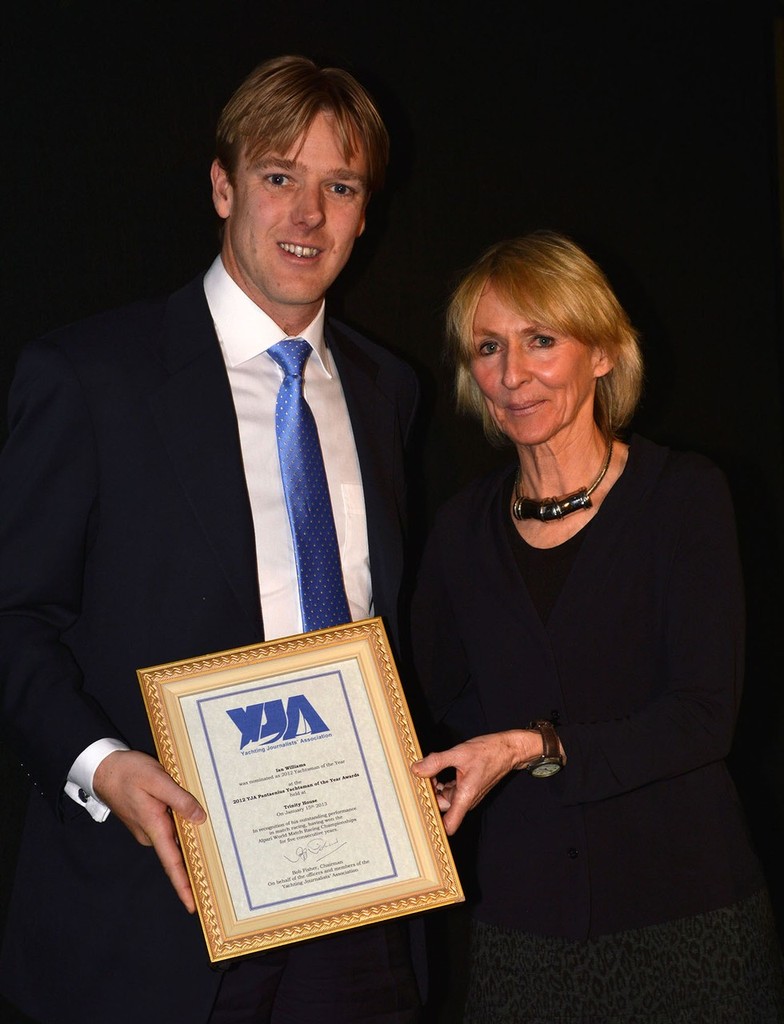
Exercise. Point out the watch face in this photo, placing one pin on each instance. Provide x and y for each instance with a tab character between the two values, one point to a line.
545	769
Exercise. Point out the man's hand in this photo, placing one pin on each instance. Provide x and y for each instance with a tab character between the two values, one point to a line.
142	795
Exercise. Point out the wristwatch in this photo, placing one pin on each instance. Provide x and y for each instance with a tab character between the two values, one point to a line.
550	760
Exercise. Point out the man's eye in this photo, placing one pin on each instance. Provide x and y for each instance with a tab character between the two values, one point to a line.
342	190
277	179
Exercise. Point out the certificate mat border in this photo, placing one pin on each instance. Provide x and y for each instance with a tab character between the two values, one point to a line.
436	883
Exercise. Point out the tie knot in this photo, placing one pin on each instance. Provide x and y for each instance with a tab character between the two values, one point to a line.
291	354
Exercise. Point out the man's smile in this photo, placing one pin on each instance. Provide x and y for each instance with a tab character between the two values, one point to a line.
306	251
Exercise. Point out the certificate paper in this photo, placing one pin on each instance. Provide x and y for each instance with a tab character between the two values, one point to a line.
300	752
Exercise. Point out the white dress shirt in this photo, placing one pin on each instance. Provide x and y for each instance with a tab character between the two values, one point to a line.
245	332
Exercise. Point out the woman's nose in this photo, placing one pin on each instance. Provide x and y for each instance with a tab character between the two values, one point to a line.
516	367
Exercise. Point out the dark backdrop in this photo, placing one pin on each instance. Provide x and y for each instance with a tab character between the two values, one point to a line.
647	132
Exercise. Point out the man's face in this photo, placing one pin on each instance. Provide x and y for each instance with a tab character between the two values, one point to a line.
291	221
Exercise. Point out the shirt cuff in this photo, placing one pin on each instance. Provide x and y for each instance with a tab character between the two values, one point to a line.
79	786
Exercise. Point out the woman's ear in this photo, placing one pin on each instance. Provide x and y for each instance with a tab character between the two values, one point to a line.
602	363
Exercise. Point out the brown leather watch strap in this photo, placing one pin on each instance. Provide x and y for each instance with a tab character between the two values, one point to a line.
550	745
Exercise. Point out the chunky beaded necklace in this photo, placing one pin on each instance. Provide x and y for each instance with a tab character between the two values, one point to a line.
551	509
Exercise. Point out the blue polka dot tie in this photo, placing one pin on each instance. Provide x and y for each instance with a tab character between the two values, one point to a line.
321	590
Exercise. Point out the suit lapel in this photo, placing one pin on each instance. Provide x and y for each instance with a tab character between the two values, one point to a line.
195	415
373	417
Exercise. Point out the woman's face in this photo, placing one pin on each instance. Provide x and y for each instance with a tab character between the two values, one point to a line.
536	382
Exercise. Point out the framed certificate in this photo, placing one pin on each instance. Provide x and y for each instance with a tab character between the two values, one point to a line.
300	751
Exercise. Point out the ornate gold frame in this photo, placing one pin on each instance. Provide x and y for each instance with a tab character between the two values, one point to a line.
330	745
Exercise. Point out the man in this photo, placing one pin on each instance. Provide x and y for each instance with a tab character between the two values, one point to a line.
143	520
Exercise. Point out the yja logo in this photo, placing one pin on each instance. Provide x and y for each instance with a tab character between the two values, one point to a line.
273	721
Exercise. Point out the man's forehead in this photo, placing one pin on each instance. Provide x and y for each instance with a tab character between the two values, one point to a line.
353	151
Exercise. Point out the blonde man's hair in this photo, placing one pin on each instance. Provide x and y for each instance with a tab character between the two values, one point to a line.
277	103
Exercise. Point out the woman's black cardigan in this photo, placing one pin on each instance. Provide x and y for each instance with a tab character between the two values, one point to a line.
640	664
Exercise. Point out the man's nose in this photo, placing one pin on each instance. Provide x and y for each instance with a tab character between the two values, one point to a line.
309	207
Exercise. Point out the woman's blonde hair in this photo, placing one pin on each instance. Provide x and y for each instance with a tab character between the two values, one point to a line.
546	278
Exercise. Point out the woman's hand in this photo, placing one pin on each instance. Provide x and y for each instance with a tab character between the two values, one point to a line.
479	764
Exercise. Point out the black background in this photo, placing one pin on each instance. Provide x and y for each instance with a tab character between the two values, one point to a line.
649	133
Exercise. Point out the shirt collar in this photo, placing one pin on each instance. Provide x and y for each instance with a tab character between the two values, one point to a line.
243	328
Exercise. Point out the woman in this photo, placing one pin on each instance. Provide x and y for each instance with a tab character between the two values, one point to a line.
587	648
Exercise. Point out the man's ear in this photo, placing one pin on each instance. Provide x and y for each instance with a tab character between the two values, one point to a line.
222	190
361	225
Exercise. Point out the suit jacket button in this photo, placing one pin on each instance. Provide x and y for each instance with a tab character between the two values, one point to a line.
572	852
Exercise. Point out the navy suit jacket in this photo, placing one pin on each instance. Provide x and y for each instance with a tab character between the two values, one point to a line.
126	540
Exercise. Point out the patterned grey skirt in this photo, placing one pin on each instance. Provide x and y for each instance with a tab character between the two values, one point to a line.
723	967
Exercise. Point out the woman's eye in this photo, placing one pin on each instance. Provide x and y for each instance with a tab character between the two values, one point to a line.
487	348
544	340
